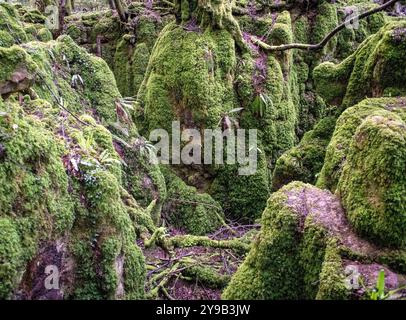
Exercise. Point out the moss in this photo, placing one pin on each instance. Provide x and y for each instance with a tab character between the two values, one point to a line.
34	16
368	72
208	276
100	86
185	208
332	285
10	254
304	162
331	80
271	269
242	197
182	80
33	187
372	184
122	67
15	62
346	127
6	39
9	22
74	32
140	60
50	187
144	180
302	248
325	21
44	35
107	228
349	39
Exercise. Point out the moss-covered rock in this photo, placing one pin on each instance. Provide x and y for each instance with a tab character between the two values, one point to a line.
187	209
10	24
375	69
345	129
303	250
372	185
304	162
363	165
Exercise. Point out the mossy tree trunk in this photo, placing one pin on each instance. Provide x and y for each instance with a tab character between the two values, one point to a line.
210	13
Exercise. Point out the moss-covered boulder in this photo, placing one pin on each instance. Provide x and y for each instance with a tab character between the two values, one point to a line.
363	165
12	29
304	249
376	69
188	209
63	197
304	162
126	49
48	203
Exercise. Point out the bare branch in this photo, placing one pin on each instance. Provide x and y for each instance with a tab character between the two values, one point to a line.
322	44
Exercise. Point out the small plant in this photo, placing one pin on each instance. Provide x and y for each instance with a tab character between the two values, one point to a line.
228	121
146	148
261	104
378	293
76	81
106	160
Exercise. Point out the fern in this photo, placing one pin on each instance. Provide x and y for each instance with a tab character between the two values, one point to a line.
261	104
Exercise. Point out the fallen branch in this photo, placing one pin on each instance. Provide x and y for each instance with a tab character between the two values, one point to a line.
188	241
322	44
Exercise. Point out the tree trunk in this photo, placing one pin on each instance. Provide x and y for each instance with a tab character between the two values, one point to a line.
121	10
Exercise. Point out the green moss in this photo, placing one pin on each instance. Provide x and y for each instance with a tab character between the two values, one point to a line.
10	255
6	39
33	187
372	184
375	69
15	60
122	67
302	248
242	197
140	60
208	276
183	81
349	39
33	16
9	22
312	256
325	21
304	162
106	226
346	127
44	35
63	176
185	208
100	86
74	32
332	285
331	80
271	269
144	180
